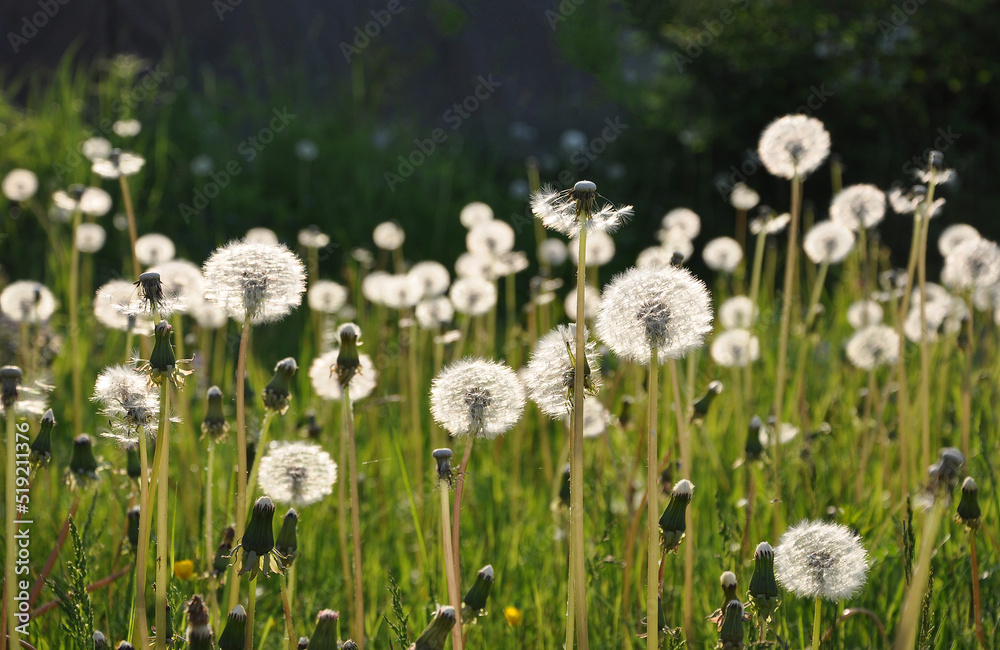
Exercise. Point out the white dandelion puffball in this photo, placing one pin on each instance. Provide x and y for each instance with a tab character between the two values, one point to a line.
491	238
914	200
735	348
743	197
326	296
183	283
971	265
118	163
154	248
90	237
473	296
552	252
373	286
474	265
400	291
475	213
666	308
208	315
262	282
296	473
722	254
19	184
128	400
770	224
815	559
596	417
312	237
91	201
431	277
600	249
509	264
27	301
568	211
434	312
955	235
261	235
96	148
477	397
388	236
873	346
114	307
829	242
737	313
325	383
673	240
591	303
551	371
655	257
685	220
862	313
793	145
858	206
127	128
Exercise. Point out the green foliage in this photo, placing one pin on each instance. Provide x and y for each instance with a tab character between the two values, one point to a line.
398	626
74	600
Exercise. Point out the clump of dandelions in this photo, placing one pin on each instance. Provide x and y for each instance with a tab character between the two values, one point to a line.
297	473
793	145
550	374
477	397
569	211
262	282
666	308
816	559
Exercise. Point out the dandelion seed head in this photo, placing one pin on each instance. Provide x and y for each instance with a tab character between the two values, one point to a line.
401	291
208	315
815	559
128	400
475	213
770	223
685	220
127	128
596	417
473	296
182	282
873	346
297	473
312	237
19	185
492	238
326	296
477	397
475	265
261	235
434	313
972	264
90	237
862	313
552	252
858	206
432	278
116	306
326	384
567	211
655	257
91	201
914	200
600	249
722	254
591	303
737	312
373	286
829	242
735	348
118	163
743	197
96	148
666	308
793	145
550	374
27	301
954	235
388	236
509	264
262	282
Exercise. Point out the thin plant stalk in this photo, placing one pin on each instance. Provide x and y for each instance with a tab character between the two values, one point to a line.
265	437
209	556
449	567
686	463
286	606
457	508
345	557
817	611
9	580
162	532
758	262
977	611
909	620
130	215
576	459
787	303
925	372
241	452
74	326
251	606
142	549
652	515
358	610
903	396
966	421
416	428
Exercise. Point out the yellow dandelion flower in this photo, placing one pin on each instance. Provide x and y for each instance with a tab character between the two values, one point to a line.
183	569
513	615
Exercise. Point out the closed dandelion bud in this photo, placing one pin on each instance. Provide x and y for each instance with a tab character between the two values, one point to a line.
214	425
475	600
83	466
233	636
221	561
625	414
133	525
752	448
10	380
101	641
287	542
41	446
968	507
564	488
151	290
702	405
728	582
443	458
133	467
763	587
935	160
324	637
277	393
255	552
125	645
436	634
672	523
945	472
348	361
731	632
303	643
199	632
161	360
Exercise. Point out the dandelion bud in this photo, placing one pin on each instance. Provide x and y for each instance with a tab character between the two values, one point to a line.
443	458
564	488
277	393
436	634
763	587
151	290
41	446
728	582
132	465
221	561
731	632
199	632
324	637
83	465
625	414
133	525
935	161
944	473
10	380
214	424
162	362
702	405
303	643
475	600
256	549
125	645
672	522
101	641
287	542
584	193
233	636
752	448
347	358
968	506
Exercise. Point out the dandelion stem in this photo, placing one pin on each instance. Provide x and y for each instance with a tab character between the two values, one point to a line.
903	397
358	612
286	607
265	437
909	620
449	567
130	215
925	372
143	547
787	303
209	556
345	557
251	605
758	261
977	611
74	326
162	532
576	459
457	508
687	465
241	452
652	516
966	422
818	608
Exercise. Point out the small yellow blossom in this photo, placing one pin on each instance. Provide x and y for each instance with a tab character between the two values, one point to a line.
513	615
183	569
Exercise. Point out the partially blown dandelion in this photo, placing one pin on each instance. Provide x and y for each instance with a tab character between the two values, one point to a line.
297	473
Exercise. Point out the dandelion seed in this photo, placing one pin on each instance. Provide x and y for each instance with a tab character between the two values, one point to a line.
27	301
862	313
118	163
549	375
785	435
735	348
473	296
743	198
261	281
91	201
154	248
600	249
568	211
432	278
815	559
684	220
858	206
873	346
666	308
89	237
722	254
973	264
475	213
19	185
182	283
492	238
477	397
388	236
828	242
794	145
297	473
